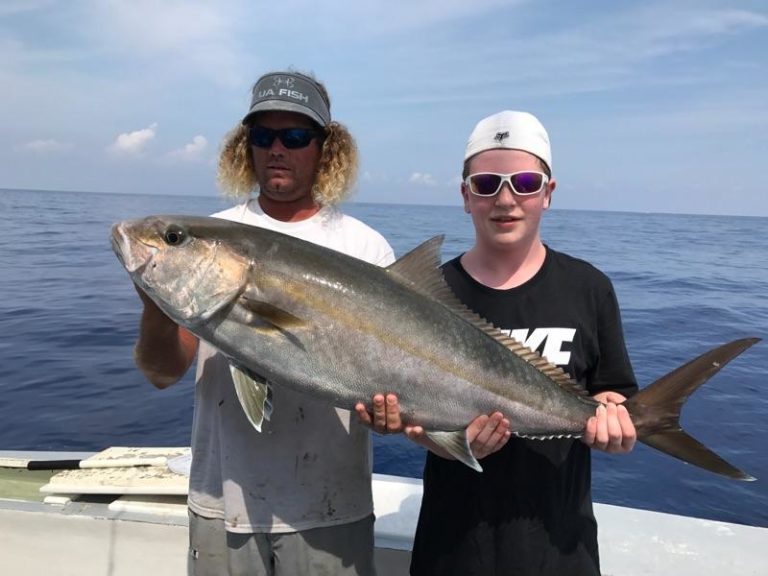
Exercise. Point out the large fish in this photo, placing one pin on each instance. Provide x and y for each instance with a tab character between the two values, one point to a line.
291	313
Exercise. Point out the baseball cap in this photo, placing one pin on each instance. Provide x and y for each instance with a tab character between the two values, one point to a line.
289	92
513	130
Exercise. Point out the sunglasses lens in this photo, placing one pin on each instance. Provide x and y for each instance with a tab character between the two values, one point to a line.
261	137
523	183
485	184
291	138
527	182
296	137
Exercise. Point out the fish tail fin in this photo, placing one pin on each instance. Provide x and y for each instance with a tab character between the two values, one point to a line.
681	445
655	410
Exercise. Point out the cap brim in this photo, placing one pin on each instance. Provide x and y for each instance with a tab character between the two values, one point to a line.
282	106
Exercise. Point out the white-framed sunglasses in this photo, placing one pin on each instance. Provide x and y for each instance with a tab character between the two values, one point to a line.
523	183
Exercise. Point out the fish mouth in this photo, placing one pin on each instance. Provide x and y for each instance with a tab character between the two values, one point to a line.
134	254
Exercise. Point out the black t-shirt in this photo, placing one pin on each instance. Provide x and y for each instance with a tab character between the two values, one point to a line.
530	510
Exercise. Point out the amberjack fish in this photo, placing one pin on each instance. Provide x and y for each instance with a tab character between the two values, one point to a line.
290	313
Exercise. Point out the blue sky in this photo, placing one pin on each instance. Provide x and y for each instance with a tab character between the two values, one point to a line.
651	106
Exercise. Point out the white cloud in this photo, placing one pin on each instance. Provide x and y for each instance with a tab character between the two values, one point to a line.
133	143
422	178
45	145
191	152
375	177
409	79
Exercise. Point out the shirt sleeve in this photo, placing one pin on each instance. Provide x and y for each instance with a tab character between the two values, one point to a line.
379	251
614	370
387	256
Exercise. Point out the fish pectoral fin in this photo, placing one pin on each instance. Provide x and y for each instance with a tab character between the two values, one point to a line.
272	314
255	396
457	445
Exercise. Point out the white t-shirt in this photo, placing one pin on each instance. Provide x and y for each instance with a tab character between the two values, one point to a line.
311	464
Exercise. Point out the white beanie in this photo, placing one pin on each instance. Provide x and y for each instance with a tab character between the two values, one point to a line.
512	130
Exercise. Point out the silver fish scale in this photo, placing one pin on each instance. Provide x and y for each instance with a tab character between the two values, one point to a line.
330	325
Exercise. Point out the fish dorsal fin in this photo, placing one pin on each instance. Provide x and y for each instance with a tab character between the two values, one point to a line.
554	372
420	269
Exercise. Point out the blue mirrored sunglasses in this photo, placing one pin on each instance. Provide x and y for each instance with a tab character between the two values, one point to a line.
523	183
291	138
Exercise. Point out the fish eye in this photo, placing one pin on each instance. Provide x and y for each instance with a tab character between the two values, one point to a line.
174	236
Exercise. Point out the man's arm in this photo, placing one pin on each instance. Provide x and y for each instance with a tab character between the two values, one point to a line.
164	350
611	428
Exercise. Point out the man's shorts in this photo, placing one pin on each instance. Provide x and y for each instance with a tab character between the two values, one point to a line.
343	550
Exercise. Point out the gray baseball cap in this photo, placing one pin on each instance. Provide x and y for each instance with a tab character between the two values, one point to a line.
289	92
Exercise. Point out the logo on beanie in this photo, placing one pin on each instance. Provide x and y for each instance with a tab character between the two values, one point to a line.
279	81
501	136
283	90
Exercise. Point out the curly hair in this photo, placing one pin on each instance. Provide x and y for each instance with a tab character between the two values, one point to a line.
336	173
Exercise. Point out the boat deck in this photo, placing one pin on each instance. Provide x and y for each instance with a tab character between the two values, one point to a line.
125	535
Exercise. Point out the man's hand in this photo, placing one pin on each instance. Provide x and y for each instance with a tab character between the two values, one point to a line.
610	429
164	351
385	418
486	434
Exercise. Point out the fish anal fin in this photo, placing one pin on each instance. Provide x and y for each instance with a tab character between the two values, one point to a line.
254	394
457	445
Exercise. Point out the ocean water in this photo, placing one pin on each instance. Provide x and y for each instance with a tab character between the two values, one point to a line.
69	317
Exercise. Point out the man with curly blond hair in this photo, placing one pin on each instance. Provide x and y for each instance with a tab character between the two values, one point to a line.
295	498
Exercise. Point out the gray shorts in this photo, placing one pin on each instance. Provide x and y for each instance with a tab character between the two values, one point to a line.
344	550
